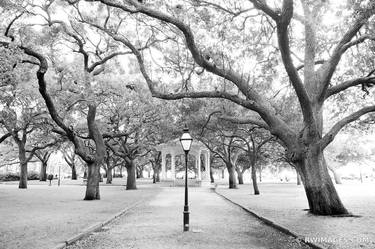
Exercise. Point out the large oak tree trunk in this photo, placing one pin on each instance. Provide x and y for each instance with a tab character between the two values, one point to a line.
74	172
93	178
320	191
232	175
43	172
254	180
131	180
109	176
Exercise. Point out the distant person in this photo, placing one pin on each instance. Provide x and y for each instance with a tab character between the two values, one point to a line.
50	178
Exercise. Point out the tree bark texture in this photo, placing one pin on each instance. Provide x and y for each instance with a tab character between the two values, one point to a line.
109	176
212	176
232	175
254	180
131	180
239	176
320	191
23	166
93	178
23	175
156	176
138	173
43	172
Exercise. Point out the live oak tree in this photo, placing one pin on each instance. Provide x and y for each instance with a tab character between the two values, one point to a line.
155	161
92	65
29	136
314	82
220	139
252	141
43	156
70	158
131	120
111	162
23	119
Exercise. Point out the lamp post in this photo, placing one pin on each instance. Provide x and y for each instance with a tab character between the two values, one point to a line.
186	141
58	181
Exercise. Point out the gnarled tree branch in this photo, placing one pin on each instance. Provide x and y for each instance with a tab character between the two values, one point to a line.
342	123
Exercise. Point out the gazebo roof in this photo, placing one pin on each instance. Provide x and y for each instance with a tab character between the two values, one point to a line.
175	145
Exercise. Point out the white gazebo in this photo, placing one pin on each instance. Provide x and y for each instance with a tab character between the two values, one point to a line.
173	148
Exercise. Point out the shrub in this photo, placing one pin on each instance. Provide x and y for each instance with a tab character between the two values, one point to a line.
9	177
33	175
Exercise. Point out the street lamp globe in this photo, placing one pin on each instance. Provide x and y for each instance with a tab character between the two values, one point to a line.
186	140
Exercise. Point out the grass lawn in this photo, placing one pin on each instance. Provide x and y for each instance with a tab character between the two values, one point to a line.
285	204
43	216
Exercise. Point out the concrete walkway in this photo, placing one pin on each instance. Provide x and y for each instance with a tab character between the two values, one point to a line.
214	223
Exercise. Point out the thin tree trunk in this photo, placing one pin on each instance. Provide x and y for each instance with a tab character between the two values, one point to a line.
212	176
93	178
222	174
43	172
320	191
138	173
120	172
130	181
158	176
239	176
23	166
74	172
260	174
23	175
232	175
254	180
109	176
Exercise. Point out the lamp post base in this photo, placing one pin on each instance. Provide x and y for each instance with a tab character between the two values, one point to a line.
186	218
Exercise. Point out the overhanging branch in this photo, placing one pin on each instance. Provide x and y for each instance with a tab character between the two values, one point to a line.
328	138
349	83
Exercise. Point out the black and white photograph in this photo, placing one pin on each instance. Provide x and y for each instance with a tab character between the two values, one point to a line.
187	124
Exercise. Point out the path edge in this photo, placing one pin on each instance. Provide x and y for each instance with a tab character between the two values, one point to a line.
94	227
270	222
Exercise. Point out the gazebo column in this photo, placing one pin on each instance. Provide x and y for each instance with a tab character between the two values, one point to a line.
207	164
163	165
173	165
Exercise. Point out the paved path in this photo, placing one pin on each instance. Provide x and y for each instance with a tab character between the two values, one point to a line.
214	224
